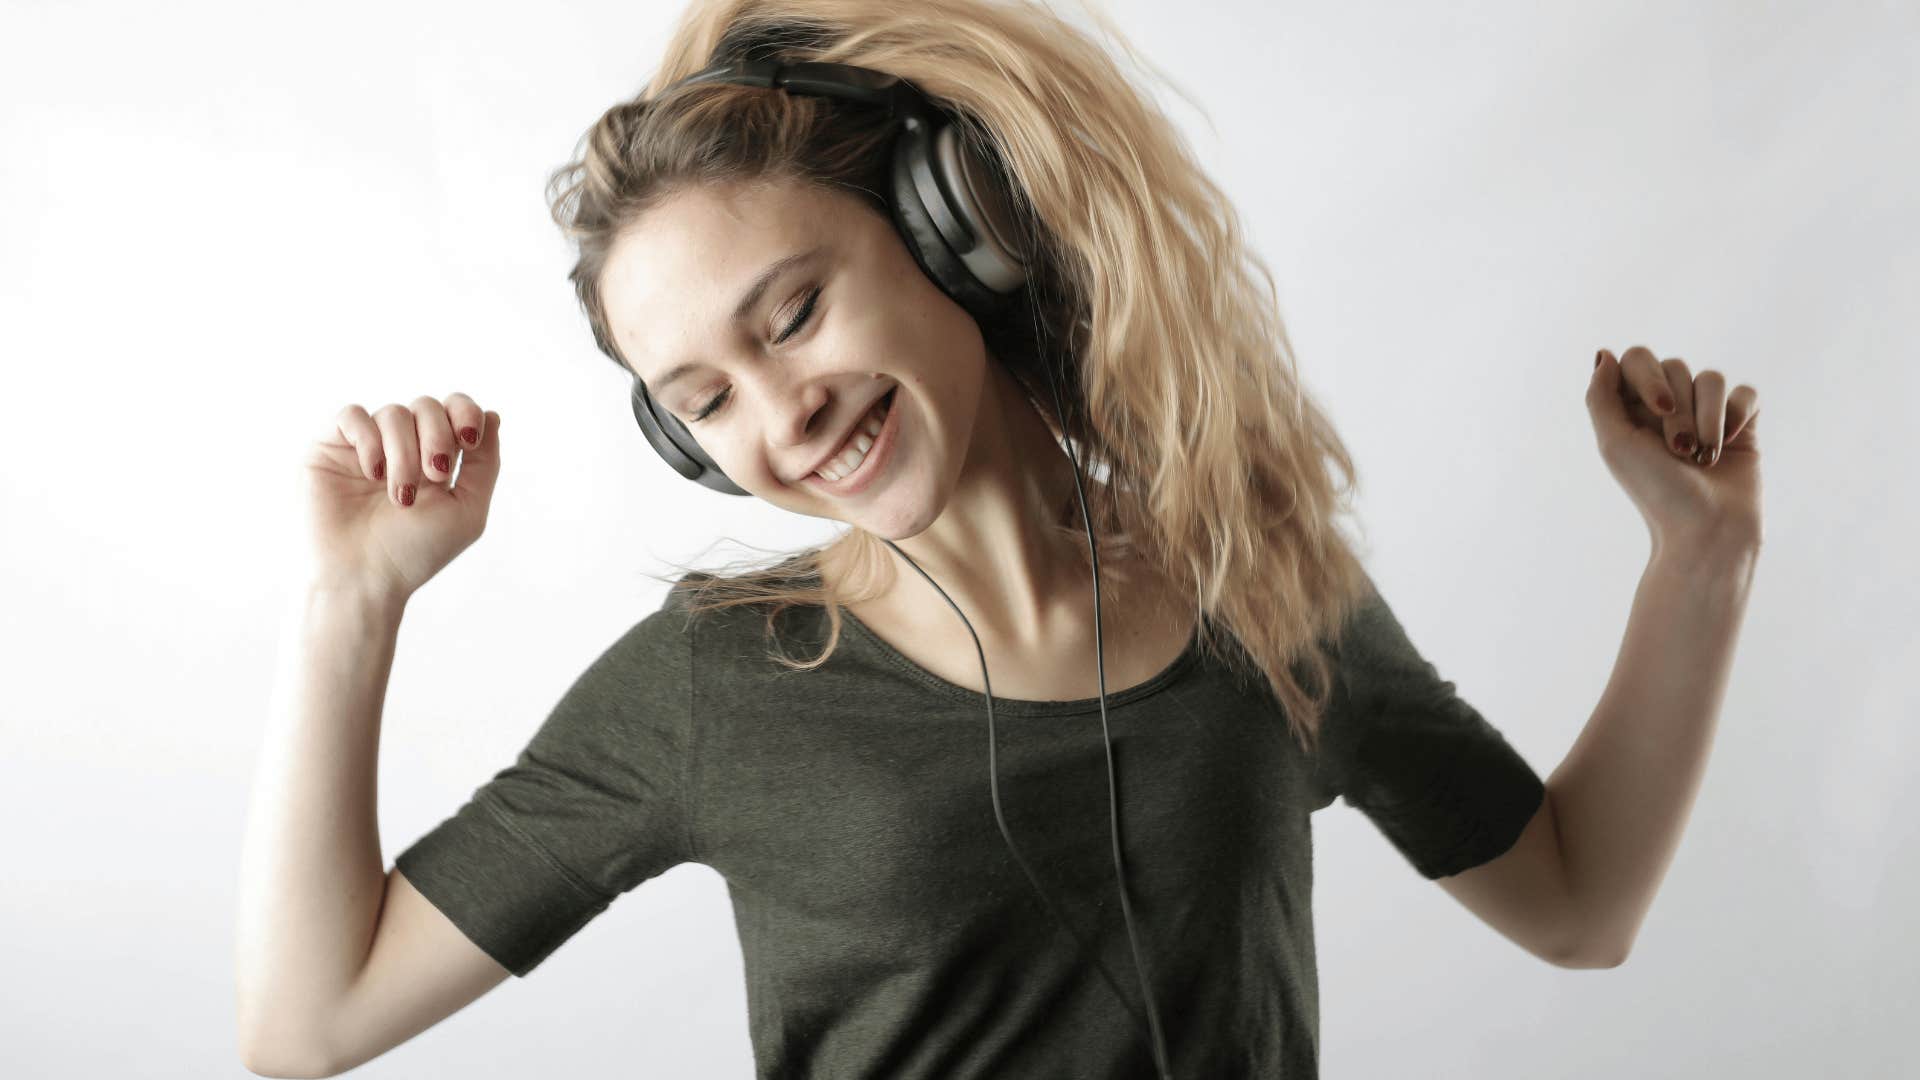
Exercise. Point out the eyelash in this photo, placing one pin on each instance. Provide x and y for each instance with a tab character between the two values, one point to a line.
799	320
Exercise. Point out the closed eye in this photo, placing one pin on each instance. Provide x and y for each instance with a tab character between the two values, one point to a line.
805	313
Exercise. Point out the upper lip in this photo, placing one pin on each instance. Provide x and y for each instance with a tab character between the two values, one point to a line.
839	445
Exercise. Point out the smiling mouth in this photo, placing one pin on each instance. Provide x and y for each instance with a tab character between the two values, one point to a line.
837	468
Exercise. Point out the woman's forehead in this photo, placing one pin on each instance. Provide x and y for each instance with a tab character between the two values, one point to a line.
715	239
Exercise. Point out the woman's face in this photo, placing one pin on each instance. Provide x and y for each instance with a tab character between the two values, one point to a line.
778	392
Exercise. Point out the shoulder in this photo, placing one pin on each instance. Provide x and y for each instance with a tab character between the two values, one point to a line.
728	613
1373	648
650	653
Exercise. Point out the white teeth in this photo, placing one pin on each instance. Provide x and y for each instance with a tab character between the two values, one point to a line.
839	468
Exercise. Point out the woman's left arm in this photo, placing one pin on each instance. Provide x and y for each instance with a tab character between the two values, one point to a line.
1623	794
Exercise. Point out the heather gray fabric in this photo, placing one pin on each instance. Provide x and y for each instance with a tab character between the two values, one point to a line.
886	930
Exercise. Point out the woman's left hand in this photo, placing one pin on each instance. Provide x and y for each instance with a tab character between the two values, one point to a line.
1693	466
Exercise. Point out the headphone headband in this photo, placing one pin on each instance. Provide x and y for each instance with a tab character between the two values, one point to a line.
863	86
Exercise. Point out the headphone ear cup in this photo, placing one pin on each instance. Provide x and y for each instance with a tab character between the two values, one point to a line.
673	442
982	198
934	197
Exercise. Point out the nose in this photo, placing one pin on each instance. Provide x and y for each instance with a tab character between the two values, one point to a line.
793	412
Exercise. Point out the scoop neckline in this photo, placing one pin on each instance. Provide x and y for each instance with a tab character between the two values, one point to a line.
1026	706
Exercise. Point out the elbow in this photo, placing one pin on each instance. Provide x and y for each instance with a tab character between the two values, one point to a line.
264	1058
1583	947
272	1042
1590	957
1580	948
289	1067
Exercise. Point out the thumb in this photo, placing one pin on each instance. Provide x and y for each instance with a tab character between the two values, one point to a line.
480	466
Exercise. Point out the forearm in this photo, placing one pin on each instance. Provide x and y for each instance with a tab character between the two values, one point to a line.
312	877
1626	788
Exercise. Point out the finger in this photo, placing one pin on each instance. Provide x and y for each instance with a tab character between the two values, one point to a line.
1710	415
1618	416
1627	403
1677	429
1646	381
1743	408
356	427
468	421
402	443
435	432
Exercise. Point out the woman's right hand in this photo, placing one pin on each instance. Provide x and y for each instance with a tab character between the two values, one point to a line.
382	511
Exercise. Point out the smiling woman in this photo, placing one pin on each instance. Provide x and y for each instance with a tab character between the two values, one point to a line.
745	258
783	370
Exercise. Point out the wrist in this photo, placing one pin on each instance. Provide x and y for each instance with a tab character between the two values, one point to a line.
358	592
1720	555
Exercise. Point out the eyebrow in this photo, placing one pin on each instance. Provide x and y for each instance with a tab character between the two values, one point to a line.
748	301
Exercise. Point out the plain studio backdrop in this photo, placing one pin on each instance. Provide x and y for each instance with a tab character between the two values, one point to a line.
219	223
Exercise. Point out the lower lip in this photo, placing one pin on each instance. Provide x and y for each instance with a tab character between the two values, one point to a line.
877	455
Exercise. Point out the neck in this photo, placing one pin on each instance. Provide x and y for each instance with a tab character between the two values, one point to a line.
992	549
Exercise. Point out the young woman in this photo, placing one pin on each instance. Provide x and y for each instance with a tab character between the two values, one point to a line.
1038	805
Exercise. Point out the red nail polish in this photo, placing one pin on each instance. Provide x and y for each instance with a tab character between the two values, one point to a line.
406	495
441	464
471	436
1666	403
379	470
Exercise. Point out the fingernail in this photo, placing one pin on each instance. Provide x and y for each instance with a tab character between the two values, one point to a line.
441	464
379	470
1665	403
406	495
1599	356
471	436
1683	442
1703	456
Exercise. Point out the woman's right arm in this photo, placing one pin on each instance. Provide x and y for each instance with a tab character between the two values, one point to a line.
311	870
338	961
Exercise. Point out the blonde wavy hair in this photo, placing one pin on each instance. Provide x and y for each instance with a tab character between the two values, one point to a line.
1180	389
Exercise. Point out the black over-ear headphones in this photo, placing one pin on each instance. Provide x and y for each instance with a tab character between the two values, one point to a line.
953	209
947	202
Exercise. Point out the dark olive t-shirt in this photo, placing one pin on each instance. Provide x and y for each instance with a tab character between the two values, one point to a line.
885	928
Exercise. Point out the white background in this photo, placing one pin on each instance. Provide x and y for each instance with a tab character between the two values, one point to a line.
219	223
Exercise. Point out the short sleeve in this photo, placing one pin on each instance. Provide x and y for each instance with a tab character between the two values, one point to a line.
595	804
1403	748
